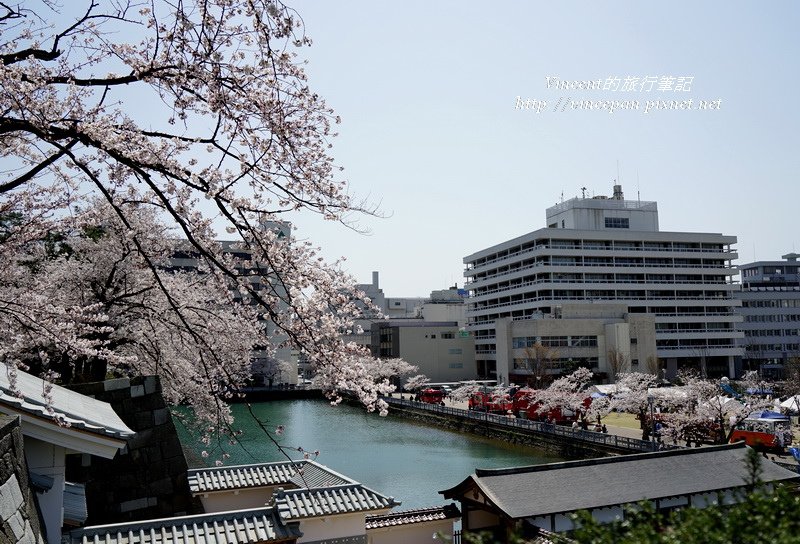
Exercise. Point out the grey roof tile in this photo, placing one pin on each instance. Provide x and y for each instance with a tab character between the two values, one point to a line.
410	517
68	407
241	527
575	485
301	473
295	504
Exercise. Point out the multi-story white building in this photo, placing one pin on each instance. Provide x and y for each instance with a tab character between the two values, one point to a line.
604	250
282	366
771	311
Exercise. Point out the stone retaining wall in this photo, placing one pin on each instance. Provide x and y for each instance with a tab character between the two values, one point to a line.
147	478
19	517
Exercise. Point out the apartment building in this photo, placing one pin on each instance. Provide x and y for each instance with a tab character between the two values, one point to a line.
600	250
770	311
282	366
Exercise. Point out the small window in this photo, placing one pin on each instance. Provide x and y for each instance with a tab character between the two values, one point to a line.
448	335
433	336
634	341
617	222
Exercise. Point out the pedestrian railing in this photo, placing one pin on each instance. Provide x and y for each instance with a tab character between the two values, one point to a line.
620	442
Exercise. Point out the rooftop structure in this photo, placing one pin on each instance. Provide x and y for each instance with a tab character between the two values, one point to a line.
545	495
60	409
256	526
319	502
602	250
303	473
55	422
410	517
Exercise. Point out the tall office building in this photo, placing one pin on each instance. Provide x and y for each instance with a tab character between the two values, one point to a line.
771	311
602	250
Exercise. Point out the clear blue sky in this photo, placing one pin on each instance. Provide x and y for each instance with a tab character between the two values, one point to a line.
426	92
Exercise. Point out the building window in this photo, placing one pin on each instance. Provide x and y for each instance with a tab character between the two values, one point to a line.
454	351
455	365
448	335
617	223
433	336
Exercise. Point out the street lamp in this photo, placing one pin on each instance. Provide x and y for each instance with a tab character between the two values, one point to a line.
650	400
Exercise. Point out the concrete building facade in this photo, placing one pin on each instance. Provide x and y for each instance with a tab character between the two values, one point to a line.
770	310
604	337
440	350
600	250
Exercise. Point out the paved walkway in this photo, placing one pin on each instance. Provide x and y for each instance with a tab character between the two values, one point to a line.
612	429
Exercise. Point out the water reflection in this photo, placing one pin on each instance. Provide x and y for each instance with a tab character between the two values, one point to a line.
392	455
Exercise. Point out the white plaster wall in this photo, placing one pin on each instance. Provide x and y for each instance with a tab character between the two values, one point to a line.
48	459
673	501
478	519
417	533
563	523
542	522
332	527
246	498
704	499
607	515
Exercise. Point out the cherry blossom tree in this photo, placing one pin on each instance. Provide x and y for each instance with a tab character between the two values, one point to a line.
197	112
703	413
568	392
417	382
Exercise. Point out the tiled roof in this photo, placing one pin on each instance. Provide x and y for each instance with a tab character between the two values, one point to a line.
74	409
409	517
296	504
240	527
595	483
302	473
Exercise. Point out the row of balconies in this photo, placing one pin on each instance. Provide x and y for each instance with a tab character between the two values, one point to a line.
594	246
477	308
480	292
724	270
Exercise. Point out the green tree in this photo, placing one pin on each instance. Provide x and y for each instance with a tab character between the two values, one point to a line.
763	514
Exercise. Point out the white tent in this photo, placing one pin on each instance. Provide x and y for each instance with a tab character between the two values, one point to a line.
726	403
792	403
608	389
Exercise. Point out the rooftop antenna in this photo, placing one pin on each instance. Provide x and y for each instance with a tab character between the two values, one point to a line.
583	192
638	197
562	196
615	181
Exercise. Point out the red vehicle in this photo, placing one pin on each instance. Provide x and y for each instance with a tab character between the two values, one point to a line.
486	402
524	405
763	433
432	396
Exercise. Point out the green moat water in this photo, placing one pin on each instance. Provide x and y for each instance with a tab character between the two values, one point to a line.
391	455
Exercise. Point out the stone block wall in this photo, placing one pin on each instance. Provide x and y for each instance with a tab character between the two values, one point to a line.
147	478
19	516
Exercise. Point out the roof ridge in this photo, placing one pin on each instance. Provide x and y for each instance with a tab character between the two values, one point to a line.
414	511
484	472
251	465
